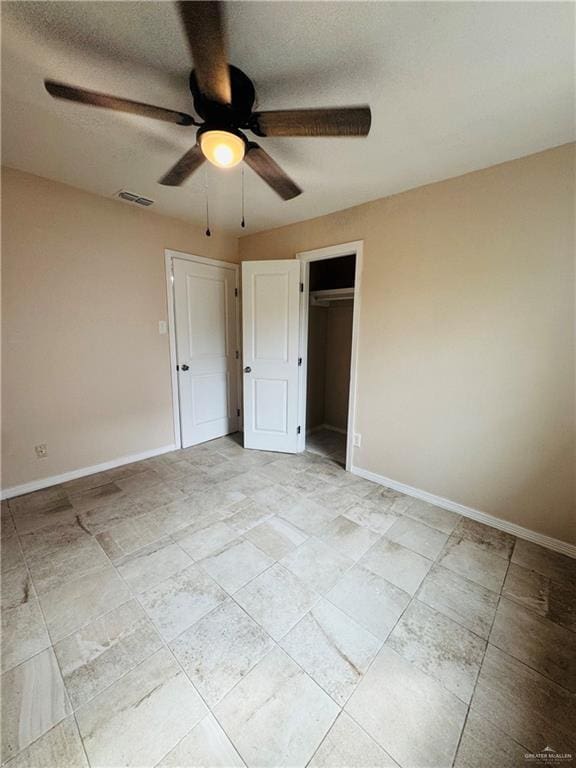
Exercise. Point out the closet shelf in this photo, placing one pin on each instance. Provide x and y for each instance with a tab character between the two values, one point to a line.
324	298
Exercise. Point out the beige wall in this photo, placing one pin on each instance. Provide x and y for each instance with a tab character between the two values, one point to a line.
466	348
338	353
84	367
328	372
316	370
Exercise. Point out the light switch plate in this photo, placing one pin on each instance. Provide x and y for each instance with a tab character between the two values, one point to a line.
162	327
356	439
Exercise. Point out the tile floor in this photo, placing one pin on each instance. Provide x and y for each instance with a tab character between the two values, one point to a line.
327	443
222	607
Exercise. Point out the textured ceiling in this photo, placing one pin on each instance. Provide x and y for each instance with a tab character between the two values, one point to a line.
453	87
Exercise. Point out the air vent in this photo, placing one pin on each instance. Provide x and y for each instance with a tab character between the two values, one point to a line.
134	198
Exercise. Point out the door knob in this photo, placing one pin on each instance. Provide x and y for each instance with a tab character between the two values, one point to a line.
247	369
184	367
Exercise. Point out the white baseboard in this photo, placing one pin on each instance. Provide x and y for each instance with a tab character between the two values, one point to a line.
46	482
474	514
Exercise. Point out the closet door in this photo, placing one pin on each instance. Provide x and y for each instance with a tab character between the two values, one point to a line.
205	311
271	316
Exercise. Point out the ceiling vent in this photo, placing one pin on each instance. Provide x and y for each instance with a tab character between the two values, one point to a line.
134	198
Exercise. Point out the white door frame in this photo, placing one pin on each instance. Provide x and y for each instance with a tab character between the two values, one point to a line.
169	255
356	247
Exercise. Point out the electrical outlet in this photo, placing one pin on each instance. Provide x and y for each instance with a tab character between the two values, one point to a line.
356	439
41	450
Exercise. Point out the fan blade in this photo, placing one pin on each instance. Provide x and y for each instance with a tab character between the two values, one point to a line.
343	121
96	99
204	28
269	170
184	168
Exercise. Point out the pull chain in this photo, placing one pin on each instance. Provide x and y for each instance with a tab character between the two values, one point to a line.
207	233
243	222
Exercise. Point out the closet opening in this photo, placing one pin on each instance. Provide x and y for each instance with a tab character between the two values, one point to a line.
331	286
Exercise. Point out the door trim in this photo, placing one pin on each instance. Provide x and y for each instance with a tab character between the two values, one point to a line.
169	255
331	252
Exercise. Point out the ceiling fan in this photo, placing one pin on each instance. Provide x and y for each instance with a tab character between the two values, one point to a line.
224	97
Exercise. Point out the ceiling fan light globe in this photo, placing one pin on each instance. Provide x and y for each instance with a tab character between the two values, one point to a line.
222	148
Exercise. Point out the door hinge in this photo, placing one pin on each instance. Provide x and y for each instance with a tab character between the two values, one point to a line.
237	411
301	287
299	361
237	355
298	430
236	292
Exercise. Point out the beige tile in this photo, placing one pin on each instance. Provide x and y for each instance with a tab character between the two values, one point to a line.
27	520
179	601
411	716
317	565
307	515
60	747
439	647
276	537
485	746
33	701
488	538
466	602
203	542
524	704
7	528
400	566
11	554
544	646
109	513
38	500
348	746
68	562
180	516
23	633
246	515
17	586
554	600
96	497
70	606
558	567
137	483
372	601
236	564
54	538
417	537
277	600
276	715
389	499
466	558
220	649
332	648
205	745
142	717
130	535
152	564
430	515
335	500
102	651
348	538
370	515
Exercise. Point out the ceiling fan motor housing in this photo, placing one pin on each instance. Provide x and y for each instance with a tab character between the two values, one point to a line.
226	117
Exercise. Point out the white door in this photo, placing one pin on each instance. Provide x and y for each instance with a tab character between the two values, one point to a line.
206	349
270	314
